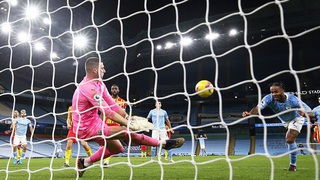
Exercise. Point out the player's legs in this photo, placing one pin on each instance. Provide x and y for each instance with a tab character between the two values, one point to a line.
170	155
156	135
16	143
71	139
106	160
166	154
164	136
19	152
24	146
86	147
293	131
112	147
68	152
119	132
292	145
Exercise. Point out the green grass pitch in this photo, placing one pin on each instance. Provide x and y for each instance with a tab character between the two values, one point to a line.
185	167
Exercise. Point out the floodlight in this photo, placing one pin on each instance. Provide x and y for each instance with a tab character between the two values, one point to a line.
6	27
12	2
186	41
233	32
159	47
46	21
54	55
80	41
23	37
32	12
39	46
212	36
169	45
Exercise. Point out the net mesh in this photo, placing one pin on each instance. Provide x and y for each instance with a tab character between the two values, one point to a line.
140	42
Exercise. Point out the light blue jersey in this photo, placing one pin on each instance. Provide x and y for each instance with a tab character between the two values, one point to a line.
316	112
277	107
22	126
158	117
59	145
201	140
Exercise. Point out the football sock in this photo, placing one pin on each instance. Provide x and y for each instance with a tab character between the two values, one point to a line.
97	155
108	159
153	150
89	152
68	155
293	155
170	154
19	152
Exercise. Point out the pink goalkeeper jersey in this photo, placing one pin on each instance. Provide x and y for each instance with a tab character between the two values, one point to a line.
88	98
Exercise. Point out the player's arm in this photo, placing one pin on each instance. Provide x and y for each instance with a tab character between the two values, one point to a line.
169	125
253	111
196	136
31	129
14	127
305	109
69	119
205	136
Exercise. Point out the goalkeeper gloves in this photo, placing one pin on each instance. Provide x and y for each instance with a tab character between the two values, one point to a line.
137	123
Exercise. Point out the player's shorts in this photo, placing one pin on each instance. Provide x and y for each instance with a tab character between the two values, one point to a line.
160	134
20	140
71	135
202	146
59	151
295	124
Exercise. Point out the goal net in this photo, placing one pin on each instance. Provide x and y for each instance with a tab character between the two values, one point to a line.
158	51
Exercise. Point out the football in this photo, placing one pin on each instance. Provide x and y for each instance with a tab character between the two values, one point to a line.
204	88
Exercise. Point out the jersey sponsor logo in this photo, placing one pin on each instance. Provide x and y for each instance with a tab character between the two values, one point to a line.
96	97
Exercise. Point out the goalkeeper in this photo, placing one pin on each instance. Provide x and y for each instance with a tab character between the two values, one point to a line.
280	102
92	95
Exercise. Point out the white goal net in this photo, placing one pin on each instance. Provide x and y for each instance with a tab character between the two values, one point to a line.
159	50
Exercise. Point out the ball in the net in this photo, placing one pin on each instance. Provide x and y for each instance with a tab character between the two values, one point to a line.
204	84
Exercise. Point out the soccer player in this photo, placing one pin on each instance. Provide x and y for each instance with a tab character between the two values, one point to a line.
16	115
20	130
92	95
281	102
72	139
201	140
316	133
58	149
122	103
143	152
166	153
159	117
315	114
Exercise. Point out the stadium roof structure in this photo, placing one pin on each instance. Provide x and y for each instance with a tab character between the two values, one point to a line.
130	42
